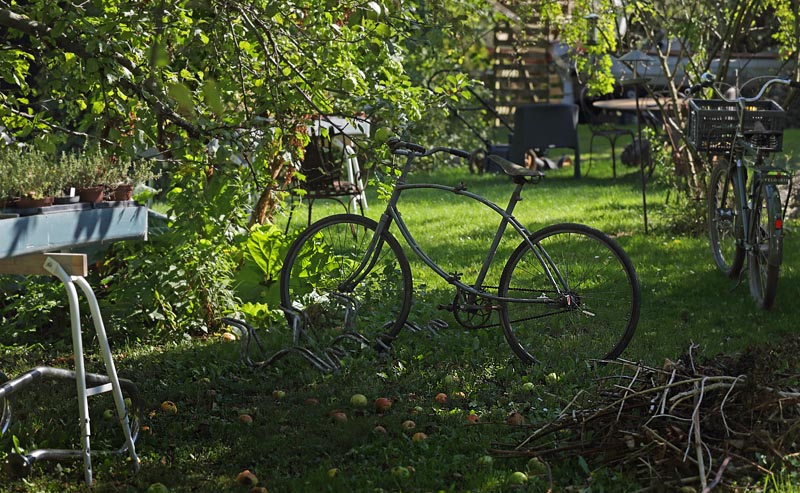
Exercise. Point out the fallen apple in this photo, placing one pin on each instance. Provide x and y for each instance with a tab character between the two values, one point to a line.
552	378
108	414
246	478
379	429
409	425
517	478
382	404
536	467
515	419
333	472
400	472
245	419
278	394
472	418
419	437
339	417
259	489
169	407
228	336
358	400
528	386
157	488
312	401
441	398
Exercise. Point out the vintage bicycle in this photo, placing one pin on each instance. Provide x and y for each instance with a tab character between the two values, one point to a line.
745	210
567	290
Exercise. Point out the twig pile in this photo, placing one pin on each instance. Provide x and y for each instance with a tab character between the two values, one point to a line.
704	425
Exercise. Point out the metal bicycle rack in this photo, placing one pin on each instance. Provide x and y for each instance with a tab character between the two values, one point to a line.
22	243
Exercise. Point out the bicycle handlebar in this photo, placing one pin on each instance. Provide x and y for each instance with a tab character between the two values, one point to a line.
707	80
411	149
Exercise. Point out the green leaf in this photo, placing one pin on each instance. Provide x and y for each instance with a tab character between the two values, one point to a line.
183	96
213	98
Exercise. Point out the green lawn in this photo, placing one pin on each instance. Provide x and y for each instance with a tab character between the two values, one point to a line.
294	444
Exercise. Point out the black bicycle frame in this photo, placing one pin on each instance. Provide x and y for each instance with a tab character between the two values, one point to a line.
391	214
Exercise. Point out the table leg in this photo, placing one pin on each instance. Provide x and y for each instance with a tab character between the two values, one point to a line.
111	371
80	370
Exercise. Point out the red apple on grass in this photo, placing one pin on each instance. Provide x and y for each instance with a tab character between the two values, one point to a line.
246	478
382	404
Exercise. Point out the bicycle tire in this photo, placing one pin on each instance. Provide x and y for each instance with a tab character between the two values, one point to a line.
765	256
725	229
596	314
317	264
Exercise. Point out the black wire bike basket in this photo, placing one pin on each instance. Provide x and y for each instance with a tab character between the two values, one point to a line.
713	123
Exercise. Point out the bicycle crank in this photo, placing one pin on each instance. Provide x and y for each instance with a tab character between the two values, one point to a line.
472	313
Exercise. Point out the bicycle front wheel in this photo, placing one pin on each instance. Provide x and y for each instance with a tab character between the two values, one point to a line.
576	296
325	296
765	256
725	220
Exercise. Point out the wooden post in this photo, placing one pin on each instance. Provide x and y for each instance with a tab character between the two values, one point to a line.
74	264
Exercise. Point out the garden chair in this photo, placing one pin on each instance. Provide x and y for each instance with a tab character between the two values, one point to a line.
603	125
545	126
331	173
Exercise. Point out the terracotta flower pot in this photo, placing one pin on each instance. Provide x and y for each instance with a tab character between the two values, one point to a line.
91	194
123	192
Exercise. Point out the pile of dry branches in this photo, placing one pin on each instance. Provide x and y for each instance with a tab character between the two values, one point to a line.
693	425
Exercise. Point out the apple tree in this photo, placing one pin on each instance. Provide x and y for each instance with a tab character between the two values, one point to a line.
218	96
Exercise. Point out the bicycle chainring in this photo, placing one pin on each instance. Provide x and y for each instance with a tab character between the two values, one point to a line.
472	312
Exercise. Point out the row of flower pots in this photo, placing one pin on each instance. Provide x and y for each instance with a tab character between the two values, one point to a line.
31	178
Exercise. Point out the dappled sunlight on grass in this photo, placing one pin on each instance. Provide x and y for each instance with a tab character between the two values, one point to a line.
294	443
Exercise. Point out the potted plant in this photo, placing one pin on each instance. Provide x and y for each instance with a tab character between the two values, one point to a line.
68	164
36	177
89	171
127	174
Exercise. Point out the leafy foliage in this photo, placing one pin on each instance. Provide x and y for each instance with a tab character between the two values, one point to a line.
219	97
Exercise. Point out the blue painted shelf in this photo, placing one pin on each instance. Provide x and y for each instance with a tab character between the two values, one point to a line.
58	227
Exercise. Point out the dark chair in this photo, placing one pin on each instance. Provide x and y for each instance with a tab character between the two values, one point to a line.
603	125
324	166
544	126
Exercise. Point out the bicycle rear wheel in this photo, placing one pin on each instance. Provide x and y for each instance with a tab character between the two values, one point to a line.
589	313
765	257
725	220
319	294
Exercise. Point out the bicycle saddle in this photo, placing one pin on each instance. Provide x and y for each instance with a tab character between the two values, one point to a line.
513	169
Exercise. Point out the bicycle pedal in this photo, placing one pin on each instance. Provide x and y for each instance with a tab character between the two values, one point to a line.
447	308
